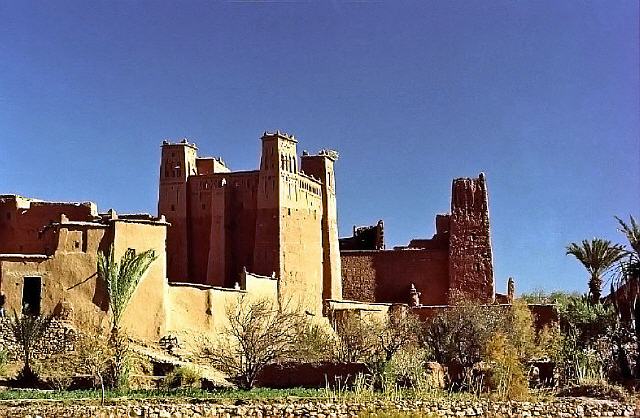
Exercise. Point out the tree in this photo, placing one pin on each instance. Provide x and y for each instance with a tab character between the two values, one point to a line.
122	279
259	333
28	330
396	331
627	286
597	256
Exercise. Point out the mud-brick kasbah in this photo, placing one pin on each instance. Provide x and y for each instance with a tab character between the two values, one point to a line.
221	234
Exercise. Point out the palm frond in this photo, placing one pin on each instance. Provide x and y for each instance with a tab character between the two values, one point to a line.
122	277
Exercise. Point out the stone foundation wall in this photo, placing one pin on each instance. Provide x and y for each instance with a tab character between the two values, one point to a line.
59	338
557	408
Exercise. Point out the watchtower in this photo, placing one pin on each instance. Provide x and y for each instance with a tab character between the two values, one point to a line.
177	163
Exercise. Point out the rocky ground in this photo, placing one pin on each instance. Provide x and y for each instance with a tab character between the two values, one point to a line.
567	407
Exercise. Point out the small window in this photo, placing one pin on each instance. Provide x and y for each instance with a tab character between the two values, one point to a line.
173	208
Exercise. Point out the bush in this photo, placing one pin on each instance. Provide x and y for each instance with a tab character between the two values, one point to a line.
406	369
260	332
357	341
4	360
506	375
182	377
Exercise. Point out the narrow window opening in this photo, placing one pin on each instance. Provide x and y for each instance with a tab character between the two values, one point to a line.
31	295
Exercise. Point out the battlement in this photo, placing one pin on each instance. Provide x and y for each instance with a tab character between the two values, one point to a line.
184	142
278	134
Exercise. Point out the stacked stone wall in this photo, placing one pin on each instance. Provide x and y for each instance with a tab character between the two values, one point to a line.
557	408
59	338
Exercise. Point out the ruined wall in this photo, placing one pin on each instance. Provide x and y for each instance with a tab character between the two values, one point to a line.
386	275
470	258
364	238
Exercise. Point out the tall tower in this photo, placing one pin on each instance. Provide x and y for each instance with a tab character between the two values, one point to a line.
278	158
321	166
178	162
470	256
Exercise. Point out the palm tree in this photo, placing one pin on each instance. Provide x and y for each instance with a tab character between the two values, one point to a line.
28	330
122	279
631	266
625	295
597	256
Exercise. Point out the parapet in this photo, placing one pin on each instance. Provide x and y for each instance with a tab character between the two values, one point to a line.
184	142
278	134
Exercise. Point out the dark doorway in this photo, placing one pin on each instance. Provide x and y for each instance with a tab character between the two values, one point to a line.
31	295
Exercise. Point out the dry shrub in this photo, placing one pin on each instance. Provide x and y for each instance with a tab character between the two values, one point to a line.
506	376
406	369
357	341
259	332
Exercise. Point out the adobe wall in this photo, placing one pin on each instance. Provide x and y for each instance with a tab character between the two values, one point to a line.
386	275
322	168
240	223
69	275
149	301
22	220
198	310
301	254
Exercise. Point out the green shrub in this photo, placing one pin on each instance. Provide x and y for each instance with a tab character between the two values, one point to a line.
4	360
406	369
182	377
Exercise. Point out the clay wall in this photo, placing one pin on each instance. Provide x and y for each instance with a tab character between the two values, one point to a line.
150	298
240	214
69	275
386	275
178	162
301	254
199	310
322	168
23	220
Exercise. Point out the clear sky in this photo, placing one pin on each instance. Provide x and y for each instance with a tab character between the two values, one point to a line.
543	96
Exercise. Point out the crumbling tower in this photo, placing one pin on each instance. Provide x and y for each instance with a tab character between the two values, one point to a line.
177	164
470	256
321	166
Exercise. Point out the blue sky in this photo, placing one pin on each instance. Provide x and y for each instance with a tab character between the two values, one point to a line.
542	96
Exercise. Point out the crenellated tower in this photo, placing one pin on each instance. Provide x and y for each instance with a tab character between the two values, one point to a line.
177	163
470	255
321	166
